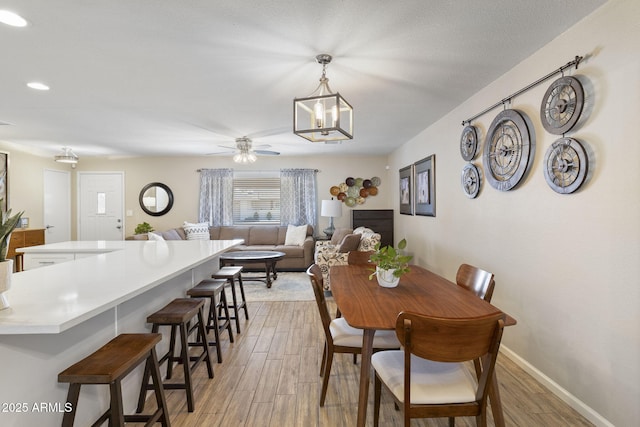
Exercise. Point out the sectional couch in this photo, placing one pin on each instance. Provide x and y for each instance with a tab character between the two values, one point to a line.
256	238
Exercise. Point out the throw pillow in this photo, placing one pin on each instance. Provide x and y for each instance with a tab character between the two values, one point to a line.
154	236
339	234
198	231
362	230
368	241
171	235
295	235
349	243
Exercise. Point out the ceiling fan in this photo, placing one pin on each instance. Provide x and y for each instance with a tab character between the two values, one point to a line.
245	152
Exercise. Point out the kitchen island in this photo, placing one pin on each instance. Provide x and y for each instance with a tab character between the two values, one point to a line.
63	312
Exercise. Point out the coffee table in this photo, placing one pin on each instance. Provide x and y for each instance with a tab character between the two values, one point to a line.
269	258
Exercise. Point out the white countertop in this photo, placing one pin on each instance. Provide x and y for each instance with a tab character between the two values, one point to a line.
80	246
53	299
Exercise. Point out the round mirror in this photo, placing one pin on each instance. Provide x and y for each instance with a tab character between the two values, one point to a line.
156	199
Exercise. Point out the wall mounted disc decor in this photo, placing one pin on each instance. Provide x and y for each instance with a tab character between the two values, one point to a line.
469	143
565	165
508	150
470	180
562	105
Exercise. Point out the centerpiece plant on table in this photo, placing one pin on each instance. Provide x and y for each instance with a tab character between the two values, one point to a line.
391	264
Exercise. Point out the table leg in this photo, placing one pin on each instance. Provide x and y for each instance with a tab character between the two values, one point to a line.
267	269
365	367
494	401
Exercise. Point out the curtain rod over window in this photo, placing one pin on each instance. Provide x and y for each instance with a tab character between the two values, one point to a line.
274	170
569	64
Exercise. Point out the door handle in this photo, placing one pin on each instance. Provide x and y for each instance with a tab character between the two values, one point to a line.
119	227
49	226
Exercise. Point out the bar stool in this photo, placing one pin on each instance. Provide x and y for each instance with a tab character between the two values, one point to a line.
109	365
214	290
177	314
230	274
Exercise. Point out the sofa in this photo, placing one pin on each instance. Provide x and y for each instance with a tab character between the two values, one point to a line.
336	251
256	238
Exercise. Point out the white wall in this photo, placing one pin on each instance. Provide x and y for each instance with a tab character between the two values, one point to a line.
566	266
179	173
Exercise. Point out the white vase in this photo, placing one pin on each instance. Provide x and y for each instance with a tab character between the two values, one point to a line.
386	279
6	271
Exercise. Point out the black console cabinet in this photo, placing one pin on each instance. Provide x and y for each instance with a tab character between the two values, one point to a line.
379	220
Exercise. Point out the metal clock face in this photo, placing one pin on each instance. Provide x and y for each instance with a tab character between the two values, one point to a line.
469	143
470	180
565	165
562	105
507	151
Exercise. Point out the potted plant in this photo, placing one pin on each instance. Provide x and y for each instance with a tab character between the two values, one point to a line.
391	264
8	223
143	228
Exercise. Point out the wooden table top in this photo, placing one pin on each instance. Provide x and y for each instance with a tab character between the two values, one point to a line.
366	305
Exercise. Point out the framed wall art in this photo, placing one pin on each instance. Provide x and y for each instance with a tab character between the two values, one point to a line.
4	181
406	188
425	187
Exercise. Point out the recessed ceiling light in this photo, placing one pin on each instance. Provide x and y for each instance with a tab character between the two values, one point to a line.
38	86
12	19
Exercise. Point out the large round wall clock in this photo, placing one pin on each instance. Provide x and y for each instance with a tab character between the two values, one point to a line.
565	165
562	105
469	143
508	150
470	180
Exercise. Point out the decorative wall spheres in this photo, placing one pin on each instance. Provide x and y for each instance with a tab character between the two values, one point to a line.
354	191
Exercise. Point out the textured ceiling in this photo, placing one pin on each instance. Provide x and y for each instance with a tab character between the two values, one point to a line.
170	77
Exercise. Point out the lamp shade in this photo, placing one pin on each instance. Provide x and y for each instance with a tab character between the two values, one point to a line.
331	208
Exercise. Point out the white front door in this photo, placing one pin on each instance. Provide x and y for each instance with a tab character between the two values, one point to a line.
100	205
57	206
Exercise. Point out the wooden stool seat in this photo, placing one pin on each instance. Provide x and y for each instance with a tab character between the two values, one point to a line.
109	365
177	314
231	274
213	289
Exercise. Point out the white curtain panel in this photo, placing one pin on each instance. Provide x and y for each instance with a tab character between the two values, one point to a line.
216	196
298	197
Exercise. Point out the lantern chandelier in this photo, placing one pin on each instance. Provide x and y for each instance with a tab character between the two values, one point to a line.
323	116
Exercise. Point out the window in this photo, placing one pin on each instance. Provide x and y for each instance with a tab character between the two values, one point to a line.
256	197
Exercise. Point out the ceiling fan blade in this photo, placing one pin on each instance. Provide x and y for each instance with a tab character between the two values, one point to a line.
270	132
220	153
227	147
261	146
266	152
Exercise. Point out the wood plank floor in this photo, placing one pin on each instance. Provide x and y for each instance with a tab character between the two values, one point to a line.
269	377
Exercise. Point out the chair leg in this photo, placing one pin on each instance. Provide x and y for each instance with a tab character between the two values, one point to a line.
161	402
452	422
116	417
184	352
72	398
324	359
377	392
325	376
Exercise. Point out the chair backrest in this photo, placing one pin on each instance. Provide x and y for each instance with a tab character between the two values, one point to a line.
317	283
477	280
451	340
359	257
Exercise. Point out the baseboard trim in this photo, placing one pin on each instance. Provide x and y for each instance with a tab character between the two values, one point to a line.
584	410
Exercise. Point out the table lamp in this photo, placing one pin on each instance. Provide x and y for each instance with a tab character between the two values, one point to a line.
333	209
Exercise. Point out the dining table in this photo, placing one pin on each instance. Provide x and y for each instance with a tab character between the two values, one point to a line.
368	306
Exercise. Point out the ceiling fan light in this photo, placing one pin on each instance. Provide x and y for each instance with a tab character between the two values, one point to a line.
323	116
66	156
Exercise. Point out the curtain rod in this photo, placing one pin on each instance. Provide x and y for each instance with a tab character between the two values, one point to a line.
569	64
273	170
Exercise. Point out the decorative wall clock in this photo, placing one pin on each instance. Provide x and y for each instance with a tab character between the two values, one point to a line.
565	165
470	180
469	143
508	150
562	105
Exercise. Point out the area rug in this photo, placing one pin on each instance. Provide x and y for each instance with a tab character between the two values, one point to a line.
290	286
